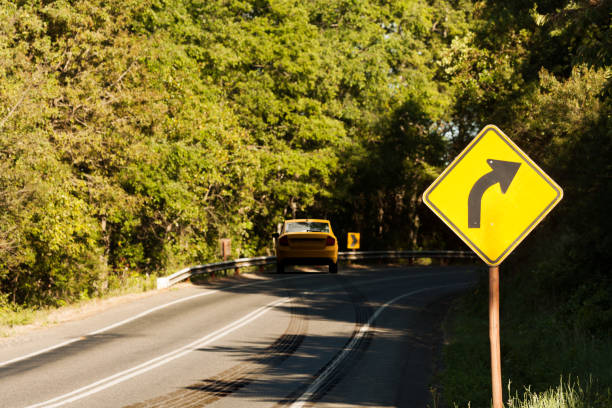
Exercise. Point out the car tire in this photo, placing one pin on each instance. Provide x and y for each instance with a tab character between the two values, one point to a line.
280	268
333	267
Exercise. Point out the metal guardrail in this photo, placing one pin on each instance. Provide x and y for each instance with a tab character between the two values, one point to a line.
357	255
236	264
213	267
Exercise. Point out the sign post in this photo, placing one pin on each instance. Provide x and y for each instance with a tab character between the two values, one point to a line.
225	244
494	340
492	220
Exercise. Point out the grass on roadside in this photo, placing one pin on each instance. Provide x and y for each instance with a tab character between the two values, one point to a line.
13	315
14	318
538	348
566	395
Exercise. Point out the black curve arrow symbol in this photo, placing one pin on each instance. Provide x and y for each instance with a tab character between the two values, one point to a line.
503	172
354	240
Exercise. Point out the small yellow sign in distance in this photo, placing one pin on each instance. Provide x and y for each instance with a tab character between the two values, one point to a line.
353	239
492	195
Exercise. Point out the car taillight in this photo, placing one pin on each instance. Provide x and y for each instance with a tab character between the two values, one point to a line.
330	241
284	240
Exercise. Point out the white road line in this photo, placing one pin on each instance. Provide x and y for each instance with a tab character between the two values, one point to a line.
320	380
160	307
158	361
149	365
138	316
206	340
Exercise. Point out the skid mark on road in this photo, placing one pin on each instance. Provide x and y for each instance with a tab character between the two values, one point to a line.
333	372
228	382
336	368
158	361
221	385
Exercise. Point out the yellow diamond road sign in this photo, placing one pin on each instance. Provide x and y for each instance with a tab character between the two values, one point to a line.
492	195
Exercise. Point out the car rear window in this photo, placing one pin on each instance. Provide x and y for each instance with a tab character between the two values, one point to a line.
307	226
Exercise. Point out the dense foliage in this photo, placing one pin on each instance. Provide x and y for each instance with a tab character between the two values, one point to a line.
136	133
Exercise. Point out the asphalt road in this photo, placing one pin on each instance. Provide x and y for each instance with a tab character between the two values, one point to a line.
361	338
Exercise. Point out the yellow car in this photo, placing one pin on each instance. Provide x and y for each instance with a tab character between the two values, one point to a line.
306	242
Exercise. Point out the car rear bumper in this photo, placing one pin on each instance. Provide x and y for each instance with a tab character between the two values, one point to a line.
320	257
306	261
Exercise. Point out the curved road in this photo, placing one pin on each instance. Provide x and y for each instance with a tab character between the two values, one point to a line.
364	337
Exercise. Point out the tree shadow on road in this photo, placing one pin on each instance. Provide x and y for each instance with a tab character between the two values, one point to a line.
390	364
